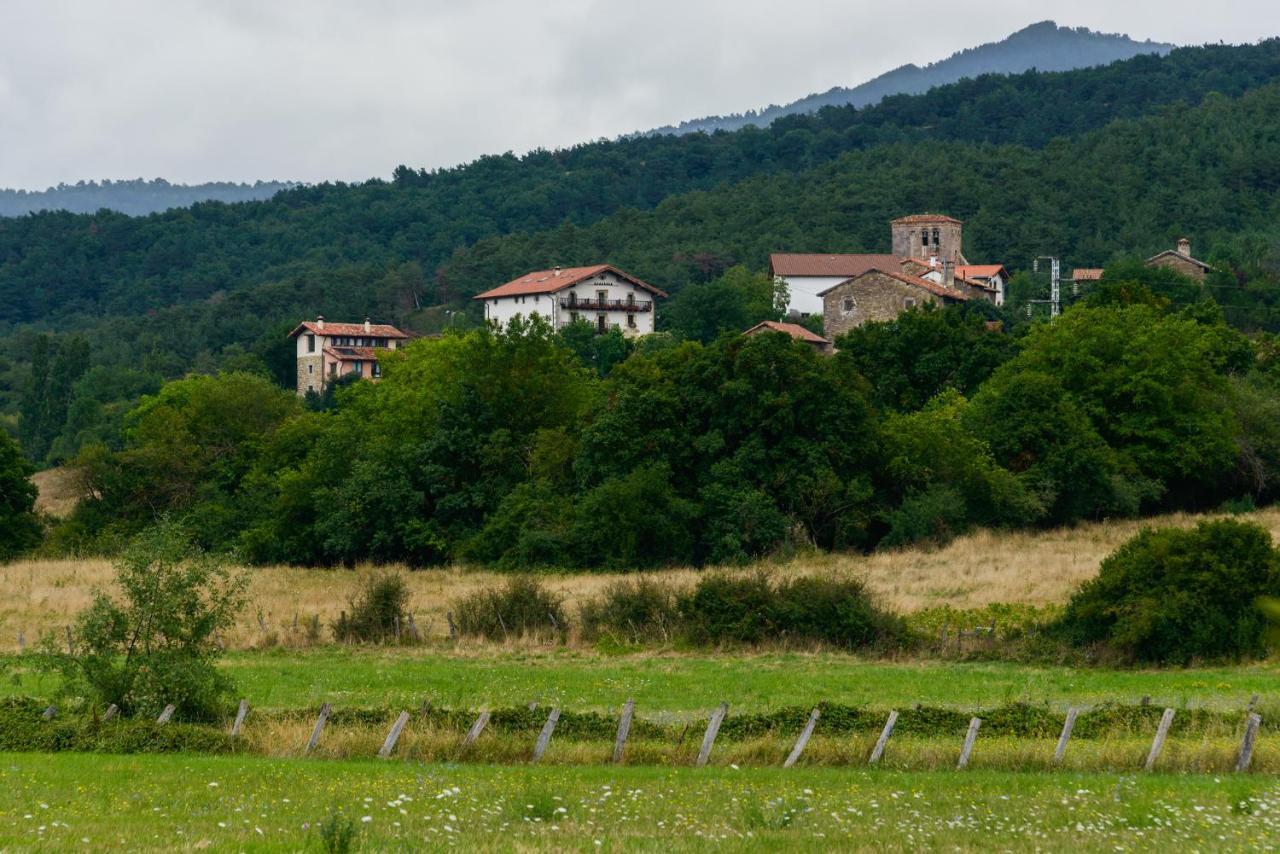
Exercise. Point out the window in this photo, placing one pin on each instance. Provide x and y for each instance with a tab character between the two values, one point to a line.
631	299
601	323
631	321
375	370
333	369
924	237
311	343
935	238
311	369
909	302
850	303
603	296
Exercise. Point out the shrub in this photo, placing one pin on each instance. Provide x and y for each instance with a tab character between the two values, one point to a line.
382	605
640	610
156	644
724	608
522	607
1171	595
836	611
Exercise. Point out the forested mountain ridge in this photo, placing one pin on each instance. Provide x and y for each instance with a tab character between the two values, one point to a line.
1044	46
133	197
219	286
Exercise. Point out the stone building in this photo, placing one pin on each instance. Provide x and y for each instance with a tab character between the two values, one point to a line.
881	295
1180	259
928	236
326	351
796	331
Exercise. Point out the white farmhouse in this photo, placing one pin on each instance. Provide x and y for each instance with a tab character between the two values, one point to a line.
602	295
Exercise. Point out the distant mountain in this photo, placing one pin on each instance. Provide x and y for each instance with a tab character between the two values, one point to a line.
1044	46
136	197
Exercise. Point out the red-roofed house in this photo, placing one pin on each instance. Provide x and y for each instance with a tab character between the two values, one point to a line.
327	351
602	295
795	330
881	295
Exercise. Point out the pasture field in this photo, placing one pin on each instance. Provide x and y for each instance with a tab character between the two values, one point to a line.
1034	568
691	683
185	803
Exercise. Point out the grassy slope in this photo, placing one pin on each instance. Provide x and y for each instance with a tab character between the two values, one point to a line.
234	803
1035	568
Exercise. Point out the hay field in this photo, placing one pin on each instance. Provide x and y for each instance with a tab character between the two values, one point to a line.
1035	568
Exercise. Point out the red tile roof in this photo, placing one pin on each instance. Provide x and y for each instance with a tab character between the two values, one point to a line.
914	218
1174	253
355	330
354	354
550	281
980	271
817	264
932	287
1086	274
795	330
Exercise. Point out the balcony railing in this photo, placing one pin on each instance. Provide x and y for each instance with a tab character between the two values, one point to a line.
606	305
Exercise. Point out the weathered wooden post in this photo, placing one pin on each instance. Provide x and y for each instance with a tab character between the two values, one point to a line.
1246	746
22	642
413	629
48	713
396	626
883	740
1145	701
1253	704
544	737
1157	744
315	733
969	739
624	729
803	739
1067	726
393	736
713	727
238	724
476	729
165	715
110	713
453	629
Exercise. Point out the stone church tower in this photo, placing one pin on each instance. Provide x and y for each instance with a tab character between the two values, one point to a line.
928	236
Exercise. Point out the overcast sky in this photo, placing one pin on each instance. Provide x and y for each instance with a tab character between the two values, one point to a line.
347	89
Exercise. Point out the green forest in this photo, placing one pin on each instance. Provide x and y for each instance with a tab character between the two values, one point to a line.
132	345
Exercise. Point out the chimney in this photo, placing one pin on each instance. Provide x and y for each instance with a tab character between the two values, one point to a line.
320	322
948	274
368	327
556	272
1184	247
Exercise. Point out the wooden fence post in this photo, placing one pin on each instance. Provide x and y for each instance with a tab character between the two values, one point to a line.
393	736
1157	745
476	729
22	642
315	733
1253	704
110	713
878	750
1246	746
544	737
624	729
1145	701
713	727
165	715
969	739
453	629
803	739
1067	726
240	715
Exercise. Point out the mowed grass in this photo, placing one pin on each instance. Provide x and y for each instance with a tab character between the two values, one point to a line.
1028	567
183	803
687	684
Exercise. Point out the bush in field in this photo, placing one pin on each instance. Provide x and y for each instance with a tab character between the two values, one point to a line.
156	643
640	610
382	605
522	607
726	608
1171	595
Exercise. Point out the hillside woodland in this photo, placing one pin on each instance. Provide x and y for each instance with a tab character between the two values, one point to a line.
136	197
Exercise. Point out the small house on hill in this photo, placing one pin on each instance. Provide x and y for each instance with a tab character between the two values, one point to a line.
1180	259
881	295
602	295
327	351
795	330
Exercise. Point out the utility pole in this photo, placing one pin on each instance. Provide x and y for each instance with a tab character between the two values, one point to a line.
1055	282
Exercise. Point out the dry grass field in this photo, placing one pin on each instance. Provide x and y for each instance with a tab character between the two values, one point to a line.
1035	568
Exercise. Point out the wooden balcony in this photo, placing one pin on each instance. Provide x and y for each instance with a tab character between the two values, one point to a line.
606	305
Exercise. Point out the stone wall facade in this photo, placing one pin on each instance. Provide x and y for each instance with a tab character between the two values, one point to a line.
1180	263
872	296
310	374
943	239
